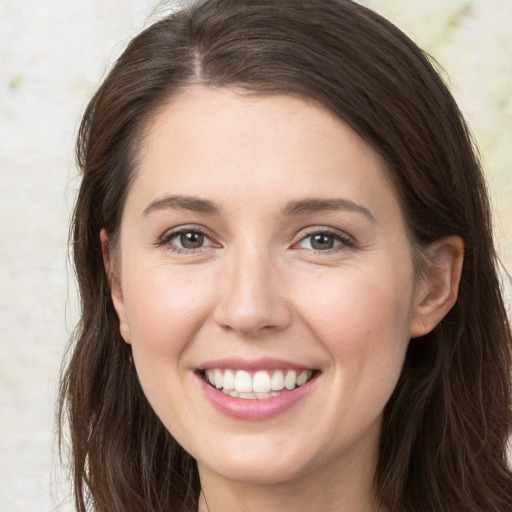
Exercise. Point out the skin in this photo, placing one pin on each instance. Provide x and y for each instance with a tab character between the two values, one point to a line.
257	288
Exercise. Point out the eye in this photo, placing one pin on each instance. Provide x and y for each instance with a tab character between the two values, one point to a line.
186	240
324	241
190	239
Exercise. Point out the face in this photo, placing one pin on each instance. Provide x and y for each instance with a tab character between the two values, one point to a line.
265	283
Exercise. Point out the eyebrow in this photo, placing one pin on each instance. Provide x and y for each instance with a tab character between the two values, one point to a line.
190	203
301	207
312	205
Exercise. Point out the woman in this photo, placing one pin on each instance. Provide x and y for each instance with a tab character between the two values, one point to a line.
288	282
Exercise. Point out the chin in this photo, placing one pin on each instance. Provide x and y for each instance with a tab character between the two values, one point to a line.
245	472
258	464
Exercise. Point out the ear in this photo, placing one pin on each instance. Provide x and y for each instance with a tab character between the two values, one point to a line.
438	288
116	292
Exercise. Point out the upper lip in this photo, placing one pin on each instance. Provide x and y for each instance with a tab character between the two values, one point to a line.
237	363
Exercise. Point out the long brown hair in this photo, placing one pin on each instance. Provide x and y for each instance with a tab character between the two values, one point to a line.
445	430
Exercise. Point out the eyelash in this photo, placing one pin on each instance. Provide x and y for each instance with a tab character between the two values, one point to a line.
343	240
165	240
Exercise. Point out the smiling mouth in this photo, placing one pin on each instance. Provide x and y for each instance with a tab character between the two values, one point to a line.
260	384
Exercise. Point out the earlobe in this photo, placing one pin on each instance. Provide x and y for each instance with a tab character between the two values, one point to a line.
116	292
438	288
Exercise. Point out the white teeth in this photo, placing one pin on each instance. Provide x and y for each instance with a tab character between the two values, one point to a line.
262	384
229	380
277	381
302	378
290	379
217	375
243	382
248	396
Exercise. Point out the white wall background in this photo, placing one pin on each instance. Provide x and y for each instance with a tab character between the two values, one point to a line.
52	56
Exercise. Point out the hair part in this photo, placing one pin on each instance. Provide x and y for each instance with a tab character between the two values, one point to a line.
446	426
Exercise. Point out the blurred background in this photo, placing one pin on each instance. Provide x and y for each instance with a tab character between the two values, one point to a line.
53	54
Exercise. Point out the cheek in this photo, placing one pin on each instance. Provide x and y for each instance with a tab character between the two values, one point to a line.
165	307
363	322
359	304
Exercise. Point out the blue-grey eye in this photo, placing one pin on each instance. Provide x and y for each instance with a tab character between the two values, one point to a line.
191	239
323	241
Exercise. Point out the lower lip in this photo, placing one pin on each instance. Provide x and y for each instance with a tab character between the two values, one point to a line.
257	409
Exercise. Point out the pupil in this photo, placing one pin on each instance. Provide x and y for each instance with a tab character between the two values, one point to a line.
191	240
322	242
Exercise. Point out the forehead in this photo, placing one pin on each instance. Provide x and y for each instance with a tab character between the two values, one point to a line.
218	141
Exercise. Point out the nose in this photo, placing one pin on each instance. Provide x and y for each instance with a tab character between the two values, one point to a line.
252	298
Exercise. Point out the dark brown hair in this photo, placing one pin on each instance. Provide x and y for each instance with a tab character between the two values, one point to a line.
445	430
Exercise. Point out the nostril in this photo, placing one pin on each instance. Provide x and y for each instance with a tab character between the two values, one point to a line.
251	321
